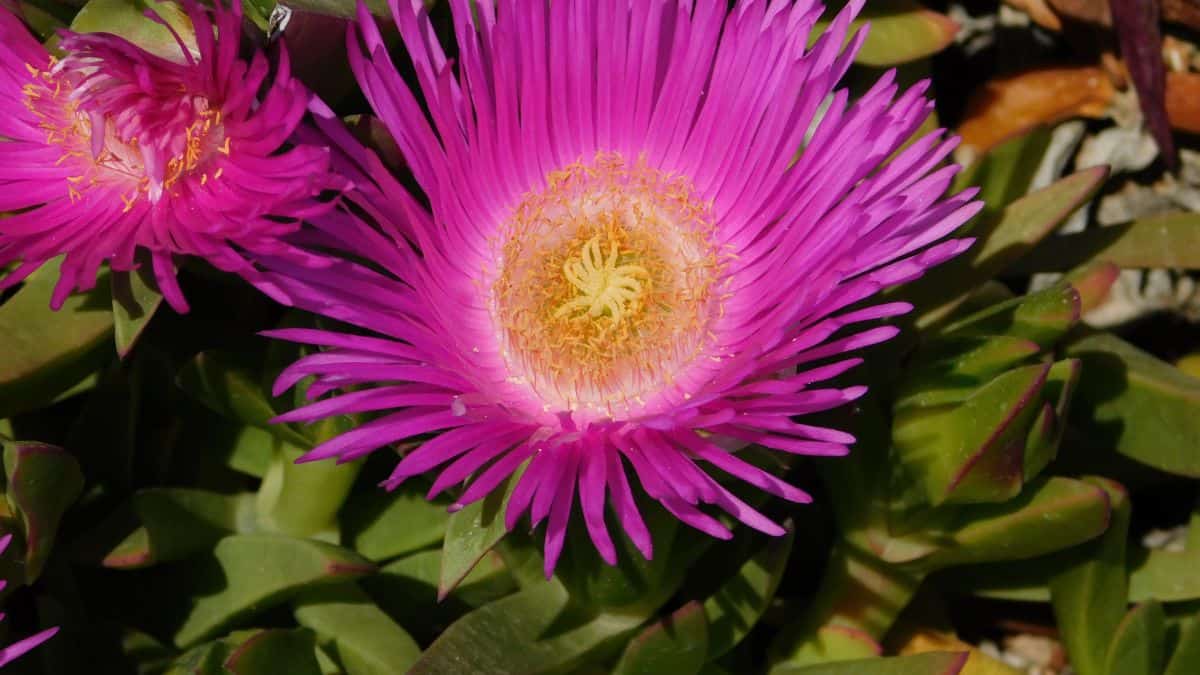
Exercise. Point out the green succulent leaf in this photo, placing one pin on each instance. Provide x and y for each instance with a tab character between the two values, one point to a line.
473	531
250	573
1089	592
737	606
1139	645
973	452
1137	405
135	299
47	353
365	640
228	388
900	31
1185	655
1001	240
303	500
531	632
407	589
1171	241
275	651
1006	171
43	481
381	525
165	524
676	644
932	663
1049	515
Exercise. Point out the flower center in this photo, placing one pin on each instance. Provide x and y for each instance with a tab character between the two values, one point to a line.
119	134
606	288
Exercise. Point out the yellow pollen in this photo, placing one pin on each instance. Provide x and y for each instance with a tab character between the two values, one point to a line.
607	286
120	160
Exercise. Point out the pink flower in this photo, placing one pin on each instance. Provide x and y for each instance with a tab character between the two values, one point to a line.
12	652
633	259
113	149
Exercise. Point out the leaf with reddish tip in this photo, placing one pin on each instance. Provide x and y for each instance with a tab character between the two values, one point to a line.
251	573
1171	240
1139	406
1046	433
1093	283
1137	25
366	641
1049	515
274	652
43	481
165	524
135	299
973	452
930	663
675	644
1089	591
739	603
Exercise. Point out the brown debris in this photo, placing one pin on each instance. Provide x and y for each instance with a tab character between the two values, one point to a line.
1013	105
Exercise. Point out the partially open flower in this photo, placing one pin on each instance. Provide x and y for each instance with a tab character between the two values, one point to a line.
635	257
112	149
12	652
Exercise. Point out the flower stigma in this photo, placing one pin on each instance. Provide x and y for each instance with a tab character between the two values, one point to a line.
607	287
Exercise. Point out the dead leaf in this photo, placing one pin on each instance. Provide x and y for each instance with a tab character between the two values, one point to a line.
1041	13
1183	101
1010	106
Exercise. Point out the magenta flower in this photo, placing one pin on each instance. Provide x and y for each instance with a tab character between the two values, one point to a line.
113	149
634	258
14	651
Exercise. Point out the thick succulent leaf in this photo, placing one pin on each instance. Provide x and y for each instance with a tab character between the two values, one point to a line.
229	389
166	524
1166	576
1089	592
47	353
407	589
833	642
1049	515
127	18
239	581
382	526
973	452
275	651
932	663
675	644
303	500
1139	645
135	299
365	640
530	632
473	531
1042	317
1001	240
1006	171
1185	655
252	451
42	482
1137	405
901	31
1171	241
737	606
1048	429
